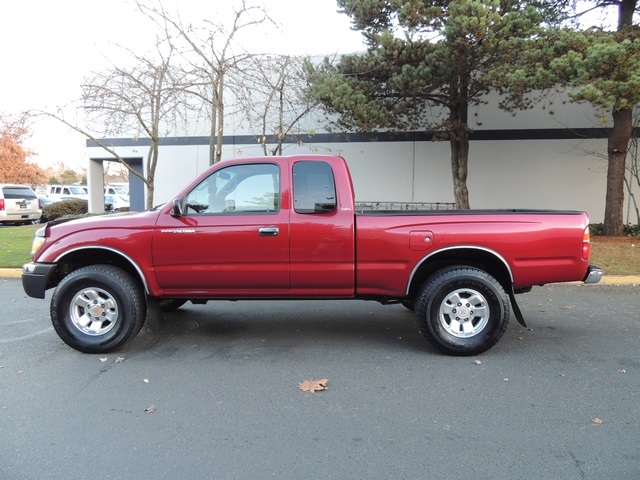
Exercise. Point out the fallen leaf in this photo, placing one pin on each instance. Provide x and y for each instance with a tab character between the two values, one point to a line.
150	409
119	359
313	386
598	421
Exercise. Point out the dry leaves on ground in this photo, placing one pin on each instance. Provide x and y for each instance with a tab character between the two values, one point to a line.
313	386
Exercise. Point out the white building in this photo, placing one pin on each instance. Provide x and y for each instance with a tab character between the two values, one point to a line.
535	159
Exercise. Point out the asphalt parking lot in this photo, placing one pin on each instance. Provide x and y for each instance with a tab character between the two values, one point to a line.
214	395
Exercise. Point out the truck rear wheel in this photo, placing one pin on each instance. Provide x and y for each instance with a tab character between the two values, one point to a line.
97	309
462	311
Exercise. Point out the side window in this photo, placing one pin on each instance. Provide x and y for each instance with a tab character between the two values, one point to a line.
237	189
314	189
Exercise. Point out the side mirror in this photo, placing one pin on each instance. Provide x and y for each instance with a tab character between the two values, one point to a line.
177	210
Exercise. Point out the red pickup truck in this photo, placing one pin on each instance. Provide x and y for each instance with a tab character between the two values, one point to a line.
287	228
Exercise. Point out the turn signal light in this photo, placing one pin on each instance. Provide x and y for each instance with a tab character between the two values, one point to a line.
38	240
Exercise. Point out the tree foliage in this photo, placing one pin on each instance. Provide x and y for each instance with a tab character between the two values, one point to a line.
14	167
427	63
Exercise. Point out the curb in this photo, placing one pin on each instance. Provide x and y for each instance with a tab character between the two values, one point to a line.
10	272
605	280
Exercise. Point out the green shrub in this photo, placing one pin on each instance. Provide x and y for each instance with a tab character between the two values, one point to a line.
629	230
64	208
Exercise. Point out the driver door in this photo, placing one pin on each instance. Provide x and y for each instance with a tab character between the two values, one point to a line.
232	239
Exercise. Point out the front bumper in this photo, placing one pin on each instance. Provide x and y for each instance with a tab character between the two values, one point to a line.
35	278
594	274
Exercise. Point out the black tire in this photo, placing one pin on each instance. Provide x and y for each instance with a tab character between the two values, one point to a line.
462	311
171	304
97	309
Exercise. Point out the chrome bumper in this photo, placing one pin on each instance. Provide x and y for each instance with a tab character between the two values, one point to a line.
594	274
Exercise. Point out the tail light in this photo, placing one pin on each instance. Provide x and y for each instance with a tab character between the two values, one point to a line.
1	203
586	244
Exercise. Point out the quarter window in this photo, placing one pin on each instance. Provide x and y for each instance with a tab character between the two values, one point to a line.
314	189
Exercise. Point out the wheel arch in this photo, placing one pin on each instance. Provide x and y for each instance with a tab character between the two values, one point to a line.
473	256
77	258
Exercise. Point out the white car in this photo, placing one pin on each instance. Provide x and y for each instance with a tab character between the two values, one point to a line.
116	202
19	204
56	192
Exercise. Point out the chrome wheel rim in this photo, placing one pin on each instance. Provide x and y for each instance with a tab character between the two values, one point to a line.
464	313
94	311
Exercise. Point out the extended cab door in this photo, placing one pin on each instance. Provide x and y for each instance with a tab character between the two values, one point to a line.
232	238
322	229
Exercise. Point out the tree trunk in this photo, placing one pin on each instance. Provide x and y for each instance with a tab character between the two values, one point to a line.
220	108
459	143
212	134
617	146
152	162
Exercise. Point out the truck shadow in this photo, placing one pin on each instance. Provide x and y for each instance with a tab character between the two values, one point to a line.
289	326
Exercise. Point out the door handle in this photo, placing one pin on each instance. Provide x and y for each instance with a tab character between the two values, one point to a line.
268	231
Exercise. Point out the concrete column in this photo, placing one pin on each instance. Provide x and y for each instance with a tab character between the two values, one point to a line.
95	182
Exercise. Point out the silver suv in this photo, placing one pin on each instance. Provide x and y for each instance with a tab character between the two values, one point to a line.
19	204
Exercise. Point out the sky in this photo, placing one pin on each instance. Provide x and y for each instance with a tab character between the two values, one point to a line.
49	46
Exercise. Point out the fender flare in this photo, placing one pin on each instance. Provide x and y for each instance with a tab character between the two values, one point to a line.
509	288
126	257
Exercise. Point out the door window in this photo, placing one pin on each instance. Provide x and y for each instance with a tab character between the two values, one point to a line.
237	189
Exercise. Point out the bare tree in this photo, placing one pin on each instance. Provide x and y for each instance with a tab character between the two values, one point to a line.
141	98
272	98
215	64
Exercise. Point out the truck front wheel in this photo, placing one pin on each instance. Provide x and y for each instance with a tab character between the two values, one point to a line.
98	308
462	311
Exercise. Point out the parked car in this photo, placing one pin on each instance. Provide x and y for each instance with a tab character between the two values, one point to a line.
115	202
116	190
57	192
44	200
19	204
